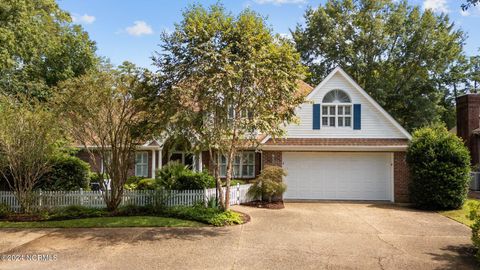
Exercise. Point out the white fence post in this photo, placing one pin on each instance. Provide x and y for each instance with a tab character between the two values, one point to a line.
40	198
238	193
81	196
205	198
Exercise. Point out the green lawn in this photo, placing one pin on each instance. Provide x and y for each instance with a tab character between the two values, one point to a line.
103	222
461	215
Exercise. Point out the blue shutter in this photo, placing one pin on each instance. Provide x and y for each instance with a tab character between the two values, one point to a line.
316	116
357	116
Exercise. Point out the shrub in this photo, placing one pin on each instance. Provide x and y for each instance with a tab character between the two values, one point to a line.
234	182
475	216
68	173
212	216
269	184
440	169
140	183
134	210
146	184
77	211
180	177
5	210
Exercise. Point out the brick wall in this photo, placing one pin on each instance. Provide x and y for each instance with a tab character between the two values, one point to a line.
468	111
401	176
272	158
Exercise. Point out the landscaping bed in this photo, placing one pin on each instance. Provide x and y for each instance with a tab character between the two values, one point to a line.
125	216
267	205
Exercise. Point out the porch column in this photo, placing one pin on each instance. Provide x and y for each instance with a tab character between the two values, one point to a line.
160	158
200	163
154	163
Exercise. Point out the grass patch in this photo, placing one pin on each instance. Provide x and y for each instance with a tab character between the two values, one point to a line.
462	215
105	222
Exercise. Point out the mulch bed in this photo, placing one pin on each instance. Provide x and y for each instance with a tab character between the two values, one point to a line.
474	194
23	217
267	205
245	217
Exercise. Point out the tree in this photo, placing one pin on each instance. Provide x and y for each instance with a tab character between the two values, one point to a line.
29	138
470	3
107	115
227	80
473	74
400	55
39	46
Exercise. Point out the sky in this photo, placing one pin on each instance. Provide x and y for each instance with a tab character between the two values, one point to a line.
130	29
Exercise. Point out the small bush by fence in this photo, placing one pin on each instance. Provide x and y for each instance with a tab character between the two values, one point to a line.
54	199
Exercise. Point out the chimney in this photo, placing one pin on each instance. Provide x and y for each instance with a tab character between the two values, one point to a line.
468	120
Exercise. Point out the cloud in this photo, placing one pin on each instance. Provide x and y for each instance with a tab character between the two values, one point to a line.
139	28
280	2
465	13
84	19
286	35
436	5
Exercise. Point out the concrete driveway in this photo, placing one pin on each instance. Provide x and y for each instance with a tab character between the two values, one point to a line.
302	236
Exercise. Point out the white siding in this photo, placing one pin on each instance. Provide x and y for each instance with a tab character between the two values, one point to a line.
374	123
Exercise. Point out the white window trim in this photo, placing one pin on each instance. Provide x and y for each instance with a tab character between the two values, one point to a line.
336	115
240	165
144	171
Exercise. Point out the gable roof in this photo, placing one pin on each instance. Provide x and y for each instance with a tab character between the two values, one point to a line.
340	71
357	87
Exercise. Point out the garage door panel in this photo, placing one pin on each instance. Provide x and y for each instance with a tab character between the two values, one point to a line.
346	176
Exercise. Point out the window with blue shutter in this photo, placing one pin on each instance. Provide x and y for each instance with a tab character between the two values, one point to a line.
357	116
316	116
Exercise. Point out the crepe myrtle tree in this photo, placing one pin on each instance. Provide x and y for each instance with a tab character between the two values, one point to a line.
227	79
29	137
105	112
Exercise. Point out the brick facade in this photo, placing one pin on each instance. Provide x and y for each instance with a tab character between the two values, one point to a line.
272	158
401	177
468	112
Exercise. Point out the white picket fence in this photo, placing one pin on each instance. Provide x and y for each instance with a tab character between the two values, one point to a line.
55	199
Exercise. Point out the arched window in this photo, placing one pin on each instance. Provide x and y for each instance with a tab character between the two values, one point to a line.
336	109
336	96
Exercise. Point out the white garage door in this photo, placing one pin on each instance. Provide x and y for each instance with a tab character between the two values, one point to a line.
338	176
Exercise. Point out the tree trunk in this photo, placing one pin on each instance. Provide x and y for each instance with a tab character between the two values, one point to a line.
218	181
228	177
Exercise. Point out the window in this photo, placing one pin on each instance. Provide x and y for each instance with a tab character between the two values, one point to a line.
336	109
141	164
106	162
243	165
182	158
245	114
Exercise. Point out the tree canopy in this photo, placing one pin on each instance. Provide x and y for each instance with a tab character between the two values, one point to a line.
227	79
470	3
406	59
106	109
39	46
